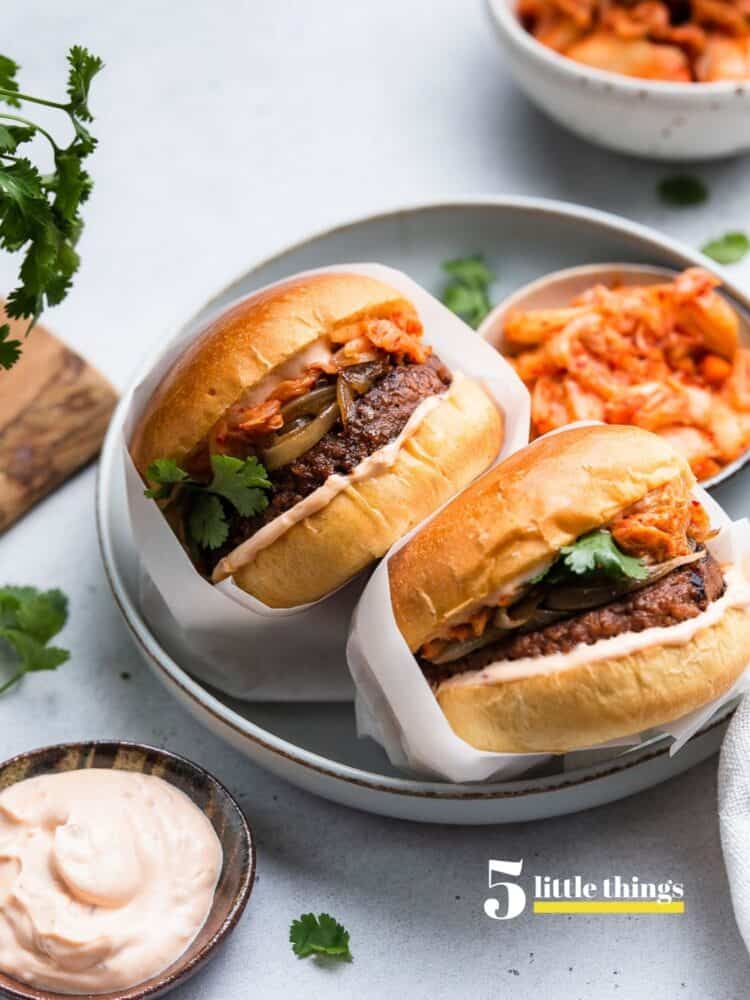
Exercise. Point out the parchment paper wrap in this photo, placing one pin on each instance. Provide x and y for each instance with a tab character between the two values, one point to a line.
396	707
223	635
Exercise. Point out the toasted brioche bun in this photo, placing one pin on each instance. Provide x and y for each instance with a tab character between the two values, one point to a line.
244	345
508	525
515	520
456	441
582	706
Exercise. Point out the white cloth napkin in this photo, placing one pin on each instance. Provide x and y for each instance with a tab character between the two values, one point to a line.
734	814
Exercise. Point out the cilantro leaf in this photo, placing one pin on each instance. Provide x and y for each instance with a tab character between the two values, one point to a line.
83	69
166	472
241	483
597	551
13	136
10	350
321	935
40	211
471	271
43	615
728	249
29	618
8	82
682	190
467	294
208	522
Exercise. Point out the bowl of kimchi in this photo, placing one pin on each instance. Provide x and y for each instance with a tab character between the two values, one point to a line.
634	344
664	79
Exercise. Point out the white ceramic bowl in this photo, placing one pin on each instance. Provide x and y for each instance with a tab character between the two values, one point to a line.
663	121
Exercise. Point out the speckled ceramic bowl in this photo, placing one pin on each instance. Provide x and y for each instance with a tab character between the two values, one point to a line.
238	869
663	121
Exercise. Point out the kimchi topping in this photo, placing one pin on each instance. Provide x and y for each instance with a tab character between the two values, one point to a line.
678	41
664	357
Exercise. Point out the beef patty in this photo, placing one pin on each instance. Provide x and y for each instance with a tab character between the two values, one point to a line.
380	414
680	595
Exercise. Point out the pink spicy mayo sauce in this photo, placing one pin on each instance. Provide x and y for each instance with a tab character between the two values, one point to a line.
106	877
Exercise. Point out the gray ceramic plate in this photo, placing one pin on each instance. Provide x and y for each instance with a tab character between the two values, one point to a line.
315	745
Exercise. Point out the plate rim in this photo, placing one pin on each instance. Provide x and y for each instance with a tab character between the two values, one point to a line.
174	675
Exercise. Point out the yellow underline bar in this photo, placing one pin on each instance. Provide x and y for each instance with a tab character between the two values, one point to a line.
621	906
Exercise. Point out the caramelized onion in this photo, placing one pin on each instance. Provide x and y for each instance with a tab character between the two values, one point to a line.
457	650
288	447
519	613
311	404
345	399
362	377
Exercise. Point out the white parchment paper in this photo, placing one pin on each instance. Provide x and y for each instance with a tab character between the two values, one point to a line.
396	707
228	638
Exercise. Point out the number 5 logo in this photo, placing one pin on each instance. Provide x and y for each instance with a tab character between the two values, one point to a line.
515	901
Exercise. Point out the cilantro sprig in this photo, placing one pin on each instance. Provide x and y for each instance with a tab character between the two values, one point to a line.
727	249
683	190
40	211
595	552
240	484
467	293
29	618
321	935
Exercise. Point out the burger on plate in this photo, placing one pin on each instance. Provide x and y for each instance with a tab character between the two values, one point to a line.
305	431
569	597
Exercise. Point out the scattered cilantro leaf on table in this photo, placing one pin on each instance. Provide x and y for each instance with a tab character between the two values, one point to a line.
241	483
595	552
728	249
40	209
682	191
467	292
321	935
29	618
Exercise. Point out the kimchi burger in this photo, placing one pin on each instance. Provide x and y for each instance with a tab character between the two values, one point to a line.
569	596
305	431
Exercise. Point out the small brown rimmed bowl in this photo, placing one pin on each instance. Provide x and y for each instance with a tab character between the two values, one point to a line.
238	867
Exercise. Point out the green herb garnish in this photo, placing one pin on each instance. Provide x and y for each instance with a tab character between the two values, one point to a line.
241	484
29	618
728	249
683	190
321	935
40	210
467	294
595	552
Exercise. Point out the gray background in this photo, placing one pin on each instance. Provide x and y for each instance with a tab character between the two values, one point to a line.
228	129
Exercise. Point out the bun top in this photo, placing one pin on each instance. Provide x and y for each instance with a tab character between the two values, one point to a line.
241	347
516	518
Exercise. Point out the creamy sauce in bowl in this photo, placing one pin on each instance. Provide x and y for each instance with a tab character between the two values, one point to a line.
106	877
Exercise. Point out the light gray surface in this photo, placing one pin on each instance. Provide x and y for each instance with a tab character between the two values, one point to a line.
228	129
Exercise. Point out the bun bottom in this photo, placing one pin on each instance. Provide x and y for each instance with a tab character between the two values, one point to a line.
599	701
454	444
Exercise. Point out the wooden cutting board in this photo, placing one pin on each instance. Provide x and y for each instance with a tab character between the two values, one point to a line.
54	410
